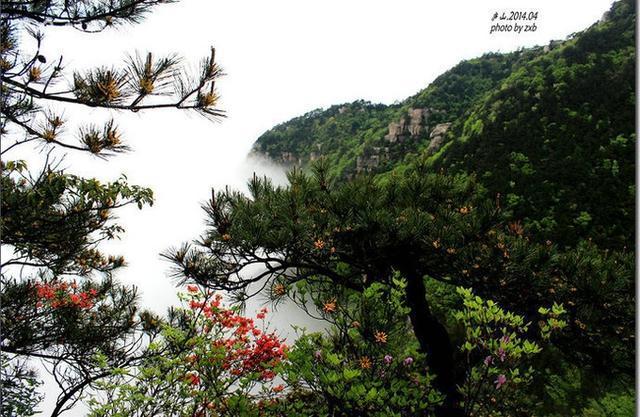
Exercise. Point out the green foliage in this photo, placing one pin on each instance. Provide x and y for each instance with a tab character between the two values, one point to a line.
367	365
557	156
206	360
597	289
533	152
498	349
338	134
529	123
55	220
438	224
611	405
556	146
32	325
563	390
52	225
455	90
318	237
359	385
19	389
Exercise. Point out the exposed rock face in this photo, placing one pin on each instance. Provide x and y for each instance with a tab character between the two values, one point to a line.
417	119
397	131
369	163
415	126
435	144
289	158
381	150
437	137
439	130
404	129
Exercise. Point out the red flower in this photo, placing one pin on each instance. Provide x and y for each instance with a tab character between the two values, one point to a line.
262	314
193	378
64	295
329	306
75	299
268	374
235	343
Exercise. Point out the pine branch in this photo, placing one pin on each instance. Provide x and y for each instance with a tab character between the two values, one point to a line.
134	108
131	10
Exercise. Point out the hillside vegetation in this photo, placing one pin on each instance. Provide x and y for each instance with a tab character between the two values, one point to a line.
557	137
344	132
549	130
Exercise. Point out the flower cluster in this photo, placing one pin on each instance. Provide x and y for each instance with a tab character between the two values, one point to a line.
63	294
236	344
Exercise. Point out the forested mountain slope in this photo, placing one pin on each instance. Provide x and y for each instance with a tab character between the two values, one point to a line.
557	137
550	129
364	137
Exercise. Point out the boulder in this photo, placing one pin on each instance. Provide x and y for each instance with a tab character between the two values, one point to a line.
439	130
437	137
396	131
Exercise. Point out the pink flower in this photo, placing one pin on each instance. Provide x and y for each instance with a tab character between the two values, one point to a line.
408	361
388	359
505	339
488	360
500	381
317	354
502	354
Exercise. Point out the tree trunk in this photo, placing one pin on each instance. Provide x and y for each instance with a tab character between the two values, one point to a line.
435	343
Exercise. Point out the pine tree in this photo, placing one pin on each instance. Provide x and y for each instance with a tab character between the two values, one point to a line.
424	226
352	234
60	303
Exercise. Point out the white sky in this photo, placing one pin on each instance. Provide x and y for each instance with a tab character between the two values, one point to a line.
283	58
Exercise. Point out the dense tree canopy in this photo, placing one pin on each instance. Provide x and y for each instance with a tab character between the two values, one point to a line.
555	146
529	123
